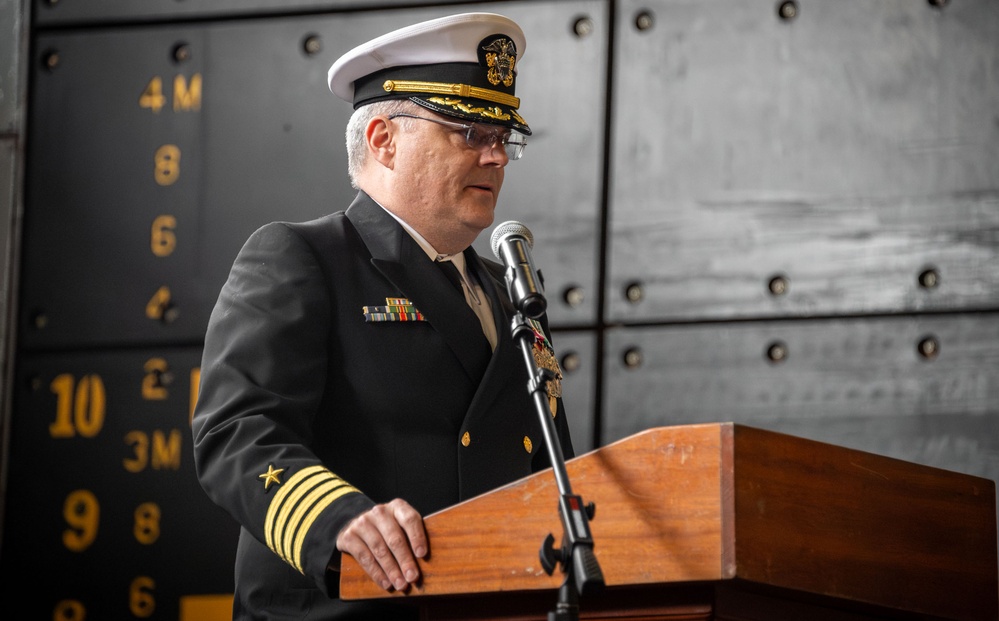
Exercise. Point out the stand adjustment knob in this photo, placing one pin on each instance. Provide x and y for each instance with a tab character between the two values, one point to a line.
548	555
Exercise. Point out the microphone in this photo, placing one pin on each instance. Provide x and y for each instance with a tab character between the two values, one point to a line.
511	243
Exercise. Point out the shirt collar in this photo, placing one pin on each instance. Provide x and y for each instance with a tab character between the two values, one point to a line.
458	258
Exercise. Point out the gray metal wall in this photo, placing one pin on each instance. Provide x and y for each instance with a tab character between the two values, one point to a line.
780	214
13	79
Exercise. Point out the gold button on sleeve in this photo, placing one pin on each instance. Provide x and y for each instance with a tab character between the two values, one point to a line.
528	445
466	439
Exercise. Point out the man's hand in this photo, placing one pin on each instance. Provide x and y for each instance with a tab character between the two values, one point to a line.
386	540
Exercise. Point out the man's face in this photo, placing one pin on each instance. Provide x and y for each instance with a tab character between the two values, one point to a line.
452	187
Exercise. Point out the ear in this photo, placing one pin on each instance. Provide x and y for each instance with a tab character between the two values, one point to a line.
380	138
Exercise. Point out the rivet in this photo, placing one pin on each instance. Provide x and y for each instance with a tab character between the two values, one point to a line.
582	27
312	45
162	378
632	358
644	21
181	53
777	352
787	10
778	285
633	292
929	278
928	347
574	296
39	320
571	362
168	312
50	59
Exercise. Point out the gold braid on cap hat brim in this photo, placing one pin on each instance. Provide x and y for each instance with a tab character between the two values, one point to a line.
442	88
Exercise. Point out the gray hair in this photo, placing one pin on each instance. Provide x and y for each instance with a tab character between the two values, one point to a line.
357	150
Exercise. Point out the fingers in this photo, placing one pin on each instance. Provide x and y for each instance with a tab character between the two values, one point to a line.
386	541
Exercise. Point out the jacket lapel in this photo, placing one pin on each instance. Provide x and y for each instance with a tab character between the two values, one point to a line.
507	366
400	259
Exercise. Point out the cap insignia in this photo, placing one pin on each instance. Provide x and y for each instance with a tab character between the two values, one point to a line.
442	88
494	112
500	57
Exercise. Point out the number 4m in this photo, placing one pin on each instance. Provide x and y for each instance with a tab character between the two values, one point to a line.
186	96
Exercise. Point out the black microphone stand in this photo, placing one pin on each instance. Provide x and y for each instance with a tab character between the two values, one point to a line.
579	565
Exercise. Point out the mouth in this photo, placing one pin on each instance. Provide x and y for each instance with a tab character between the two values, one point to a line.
485	187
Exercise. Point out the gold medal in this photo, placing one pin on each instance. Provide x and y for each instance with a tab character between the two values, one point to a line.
544	357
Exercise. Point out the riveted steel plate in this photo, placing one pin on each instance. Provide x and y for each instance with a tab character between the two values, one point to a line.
112	175
101	489
846	151
81	12
577	355
923	389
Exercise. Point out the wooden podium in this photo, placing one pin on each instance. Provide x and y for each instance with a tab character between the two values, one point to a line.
723	521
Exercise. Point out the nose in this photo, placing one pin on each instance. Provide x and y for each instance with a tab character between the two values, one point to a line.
494	154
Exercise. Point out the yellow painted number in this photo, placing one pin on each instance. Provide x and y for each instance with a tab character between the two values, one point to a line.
159	307
167	164
147	523
187	97
163	236
195	389
83	515
69	610
155	380
80	406
141	601
159	451
152	97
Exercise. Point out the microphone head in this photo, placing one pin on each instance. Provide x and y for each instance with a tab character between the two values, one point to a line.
507	229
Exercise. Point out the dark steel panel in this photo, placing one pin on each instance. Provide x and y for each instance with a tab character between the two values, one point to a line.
8	172
848	149
105	501
924	389
577	355
101	169
555	190
66	12
953	441
275	150
265	144
12	20
561	84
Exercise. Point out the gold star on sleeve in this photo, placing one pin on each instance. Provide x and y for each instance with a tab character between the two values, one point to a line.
271	476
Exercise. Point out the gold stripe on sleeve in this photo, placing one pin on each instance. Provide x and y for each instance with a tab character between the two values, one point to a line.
296	506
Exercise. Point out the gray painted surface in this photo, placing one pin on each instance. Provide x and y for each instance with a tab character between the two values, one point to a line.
13	42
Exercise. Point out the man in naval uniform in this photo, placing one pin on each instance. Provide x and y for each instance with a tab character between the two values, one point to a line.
359	370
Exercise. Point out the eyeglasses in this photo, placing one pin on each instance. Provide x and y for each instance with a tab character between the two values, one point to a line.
480	138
